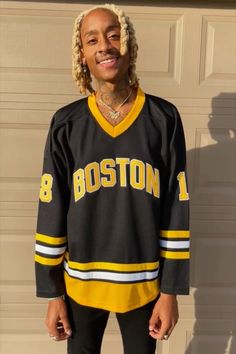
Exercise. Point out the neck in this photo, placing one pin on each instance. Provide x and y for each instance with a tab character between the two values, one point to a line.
112	94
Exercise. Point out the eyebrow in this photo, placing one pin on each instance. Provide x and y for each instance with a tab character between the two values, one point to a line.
109	28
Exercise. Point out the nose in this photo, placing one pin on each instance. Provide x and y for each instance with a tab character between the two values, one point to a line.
103	44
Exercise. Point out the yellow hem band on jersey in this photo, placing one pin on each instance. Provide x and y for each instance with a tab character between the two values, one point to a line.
116	297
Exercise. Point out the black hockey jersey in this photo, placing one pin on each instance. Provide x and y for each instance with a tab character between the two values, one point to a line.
113	226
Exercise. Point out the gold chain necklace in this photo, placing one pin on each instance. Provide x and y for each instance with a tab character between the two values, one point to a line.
114	114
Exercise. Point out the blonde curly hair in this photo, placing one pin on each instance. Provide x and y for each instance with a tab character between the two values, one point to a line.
127	43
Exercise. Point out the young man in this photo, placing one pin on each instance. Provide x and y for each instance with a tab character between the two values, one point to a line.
112	231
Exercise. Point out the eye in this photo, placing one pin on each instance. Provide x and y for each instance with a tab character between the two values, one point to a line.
92	41
114	36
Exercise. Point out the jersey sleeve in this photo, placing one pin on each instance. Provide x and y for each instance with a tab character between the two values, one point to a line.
174	233
51	233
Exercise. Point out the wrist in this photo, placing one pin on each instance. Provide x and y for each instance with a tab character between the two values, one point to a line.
168	296
57	297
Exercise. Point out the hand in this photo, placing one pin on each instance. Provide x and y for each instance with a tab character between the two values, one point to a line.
57	321
164	317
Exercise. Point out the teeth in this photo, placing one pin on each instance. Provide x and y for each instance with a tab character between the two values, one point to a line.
106	61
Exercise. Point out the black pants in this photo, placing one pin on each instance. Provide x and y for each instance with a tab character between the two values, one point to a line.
88	326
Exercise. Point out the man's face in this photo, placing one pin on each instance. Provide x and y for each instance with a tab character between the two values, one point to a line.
100	37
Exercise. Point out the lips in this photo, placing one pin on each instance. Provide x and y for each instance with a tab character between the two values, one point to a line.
108	62
111	60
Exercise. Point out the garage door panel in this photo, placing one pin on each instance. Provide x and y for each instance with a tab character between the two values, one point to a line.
36	343
218	62
163	47
40	343
214	179
218	270
21	163
10	113
16	335
23	158
23	293
38	81
21	189
209	343
12	248
23	39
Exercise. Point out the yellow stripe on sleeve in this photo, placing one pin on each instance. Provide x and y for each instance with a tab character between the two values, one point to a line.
175	233
48	261
175	255
51	240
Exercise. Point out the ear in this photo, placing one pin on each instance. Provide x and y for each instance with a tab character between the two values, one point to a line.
82	57
81	52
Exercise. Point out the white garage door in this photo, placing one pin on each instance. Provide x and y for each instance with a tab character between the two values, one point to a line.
188	56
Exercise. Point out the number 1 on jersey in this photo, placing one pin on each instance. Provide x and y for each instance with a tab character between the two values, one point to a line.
183	194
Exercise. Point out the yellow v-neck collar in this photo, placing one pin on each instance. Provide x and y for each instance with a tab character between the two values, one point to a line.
120	128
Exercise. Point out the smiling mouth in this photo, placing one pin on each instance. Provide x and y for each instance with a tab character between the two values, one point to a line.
108	61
